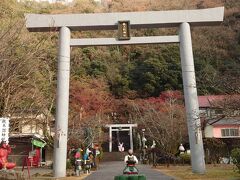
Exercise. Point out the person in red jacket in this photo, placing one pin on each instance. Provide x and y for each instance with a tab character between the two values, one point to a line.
5	150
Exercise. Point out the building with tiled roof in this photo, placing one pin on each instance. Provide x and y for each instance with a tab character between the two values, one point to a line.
220	115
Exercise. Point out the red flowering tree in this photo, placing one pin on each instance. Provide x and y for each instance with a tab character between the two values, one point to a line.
90	104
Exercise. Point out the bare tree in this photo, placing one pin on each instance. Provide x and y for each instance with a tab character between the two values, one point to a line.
25	81
166	126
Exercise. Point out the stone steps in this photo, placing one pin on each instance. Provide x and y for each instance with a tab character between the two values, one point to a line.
113	156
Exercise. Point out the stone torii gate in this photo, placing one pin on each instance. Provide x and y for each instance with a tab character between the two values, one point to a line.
120	127
183	19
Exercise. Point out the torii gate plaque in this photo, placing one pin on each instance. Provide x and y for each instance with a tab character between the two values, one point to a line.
109	21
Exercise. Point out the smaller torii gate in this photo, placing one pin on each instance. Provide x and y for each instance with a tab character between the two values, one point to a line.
120	127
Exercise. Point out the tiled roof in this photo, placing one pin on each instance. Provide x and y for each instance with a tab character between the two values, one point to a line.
20	135
206	101
226	121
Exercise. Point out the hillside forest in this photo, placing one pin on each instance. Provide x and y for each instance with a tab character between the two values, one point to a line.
114	84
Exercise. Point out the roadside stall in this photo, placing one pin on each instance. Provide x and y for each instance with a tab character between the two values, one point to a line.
35	156
30	146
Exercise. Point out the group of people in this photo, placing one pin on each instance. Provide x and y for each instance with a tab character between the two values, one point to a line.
85	159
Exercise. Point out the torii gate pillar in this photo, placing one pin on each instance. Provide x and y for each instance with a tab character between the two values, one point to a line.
61	126
191	100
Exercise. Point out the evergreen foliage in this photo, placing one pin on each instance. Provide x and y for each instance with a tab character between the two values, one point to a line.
235	154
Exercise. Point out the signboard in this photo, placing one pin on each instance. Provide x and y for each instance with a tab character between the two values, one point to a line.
38	143
124	30
4	129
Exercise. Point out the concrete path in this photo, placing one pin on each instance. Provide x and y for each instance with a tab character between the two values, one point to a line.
108	170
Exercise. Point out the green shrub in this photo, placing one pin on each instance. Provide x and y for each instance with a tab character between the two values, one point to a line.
186	158
235	154
69	164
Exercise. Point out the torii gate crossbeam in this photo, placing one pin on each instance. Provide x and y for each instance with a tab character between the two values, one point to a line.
65	23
